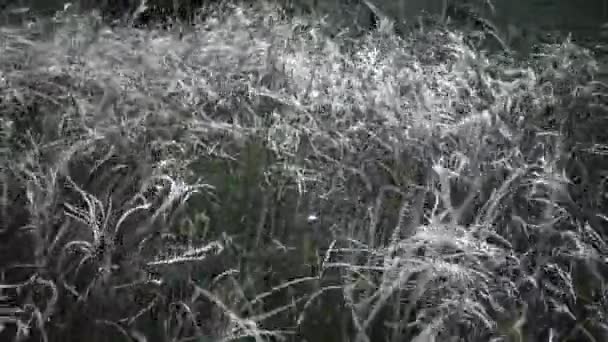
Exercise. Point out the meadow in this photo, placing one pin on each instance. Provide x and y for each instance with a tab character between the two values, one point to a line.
264	176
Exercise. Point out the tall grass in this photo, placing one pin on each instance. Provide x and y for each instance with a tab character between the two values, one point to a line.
261	177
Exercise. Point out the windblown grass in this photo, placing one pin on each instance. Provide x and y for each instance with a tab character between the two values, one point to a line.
262	177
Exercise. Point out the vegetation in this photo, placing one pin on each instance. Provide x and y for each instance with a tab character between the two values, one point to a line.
257	176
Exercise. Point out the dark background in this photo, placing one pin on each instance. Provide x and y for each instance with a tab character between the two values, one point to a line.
580	17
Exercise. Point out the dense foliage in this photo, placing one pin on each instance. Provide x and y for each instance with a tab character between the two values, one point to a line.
260	176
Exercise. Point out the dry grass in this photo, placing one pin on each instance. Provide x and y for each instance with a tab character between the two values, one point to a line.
255	178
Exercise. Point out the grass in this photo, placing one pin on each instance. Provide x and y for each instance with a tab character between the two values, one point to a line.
260	177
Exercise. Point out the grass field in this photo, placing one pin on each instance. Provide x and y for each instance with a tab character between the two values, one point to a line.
262	177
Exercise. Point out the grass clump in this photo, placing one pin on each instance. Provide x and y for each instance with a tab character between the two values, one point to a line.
259	177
